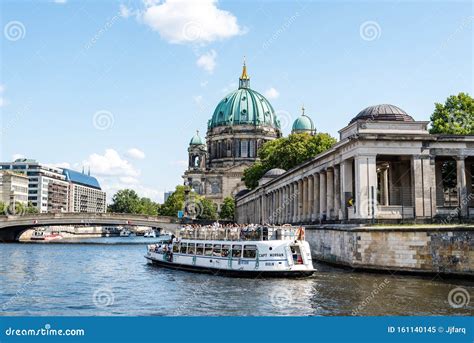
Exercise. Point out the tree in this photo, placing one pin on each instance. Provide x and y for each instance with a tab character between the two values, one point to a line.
455	117
148	207
227	209
125	201
2	208
30	209
174	203
286	153
207	209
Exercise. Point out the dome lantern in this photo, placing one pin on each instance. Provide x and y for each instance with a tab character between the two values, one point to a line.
244	80
303	124
196	140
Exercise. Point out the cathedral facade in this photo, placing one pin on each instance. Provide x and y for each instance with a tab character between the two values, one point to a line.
242	121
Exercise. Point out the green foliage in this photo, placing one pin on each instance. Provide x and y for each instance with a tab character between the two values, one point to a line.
128	201
455	117
227	209
207	209
286	153
2	208
174	203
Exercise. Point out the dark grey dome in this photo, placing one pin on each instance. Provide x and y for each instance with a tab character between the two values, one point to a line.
384	112
274	172
242	193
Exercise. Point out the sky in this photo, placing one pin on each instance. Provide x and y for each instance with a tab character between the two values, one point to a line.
121	87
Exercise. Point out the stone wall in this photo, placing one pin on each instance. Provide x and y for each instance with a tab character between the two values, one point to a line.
447	250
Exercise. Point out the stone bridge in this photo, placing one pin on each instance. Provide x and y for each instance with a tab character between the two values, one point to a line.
11	227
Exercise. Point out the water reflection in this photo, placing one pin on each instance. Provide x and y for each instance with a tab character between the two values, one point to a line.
61	279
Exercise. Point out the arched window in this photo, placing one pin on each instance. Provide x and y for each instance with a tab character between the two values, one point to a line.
244	146
236	148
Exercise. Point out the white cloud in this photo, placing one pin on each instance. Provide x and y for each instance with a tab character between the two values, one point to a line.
110	164
190	21
17	156
135	153
272	93
2	88
125	12
59	1
207	61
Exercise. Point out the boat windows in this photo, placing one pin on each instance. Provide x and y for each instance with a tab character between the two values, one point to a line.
237	251
199	249
225	250
217	250
176	248
191	248
208	250
250	251
183	247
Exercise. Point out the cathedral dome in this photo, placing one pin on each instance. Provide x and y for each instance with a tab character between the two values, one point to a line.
384	112
303	124
197	140
244	106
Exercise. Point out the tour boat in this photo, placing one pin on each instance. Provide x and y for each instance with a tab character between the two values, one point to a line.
247	252
41	235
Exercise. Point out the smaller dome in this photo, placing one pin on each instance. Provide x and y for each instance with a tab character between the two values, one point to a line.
274	172
303	124
383	112
197	140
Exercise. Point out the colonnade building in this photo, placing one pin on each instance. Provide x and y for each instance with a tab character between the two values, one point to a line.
386	166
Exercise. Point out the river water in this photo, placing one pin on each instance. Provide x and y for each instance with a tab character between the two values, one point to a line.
110	276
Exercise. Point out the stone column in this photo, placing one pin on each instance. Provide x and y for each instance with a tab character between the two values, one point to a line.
345	175
337	192
462	185
305	200
330	193
282	205
322	194
316	209
294	202
365	186
300	200
309	214
424	185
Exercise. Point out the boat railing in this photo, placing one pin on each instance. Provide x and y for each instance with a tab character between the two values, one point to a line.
261	233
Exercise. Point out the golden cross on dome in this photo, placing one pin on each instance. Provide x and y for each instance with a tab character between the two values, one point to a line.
244	71
302	109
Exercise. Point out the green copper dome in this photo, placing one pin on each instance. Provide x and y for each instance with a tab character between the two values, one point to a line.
244	106
303	124
197	140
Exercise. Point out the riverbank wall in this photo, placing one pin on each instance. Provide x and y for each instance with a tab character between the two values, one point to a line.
431	249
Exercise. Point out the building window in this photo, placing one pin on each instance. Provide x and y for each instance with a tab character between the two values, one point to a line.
244	148
252	148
